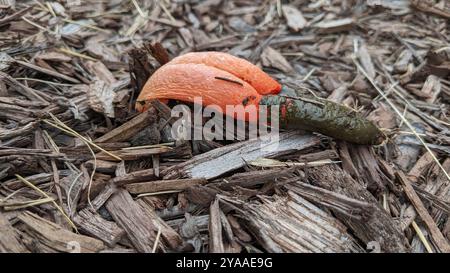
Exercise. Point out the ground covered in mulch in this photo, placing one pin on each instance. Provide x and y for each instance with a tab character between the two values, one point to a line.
81	170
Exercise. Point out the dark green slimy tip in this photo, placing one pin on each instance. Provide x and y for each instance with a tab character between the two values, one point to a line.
327	118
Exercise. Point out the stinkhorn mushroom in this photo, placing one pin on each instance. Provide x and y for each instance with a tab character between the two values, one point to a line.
221	79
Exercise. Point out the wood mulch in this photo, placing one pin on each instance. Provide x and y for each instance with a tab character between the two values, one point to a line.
81	170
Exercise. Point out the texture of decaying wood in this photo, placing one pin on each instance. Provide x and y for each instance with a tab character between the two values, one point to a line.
436	234
22	89
293	224
420	166
215	229
90	79
434	191
102	165
9	238
134	154
93	224
169	236
219	161
47	71
427	7
335	25
103	196
272	58
163	185
350	207
133	177
55	238
379	228
360	162
132	218
254	178
294	17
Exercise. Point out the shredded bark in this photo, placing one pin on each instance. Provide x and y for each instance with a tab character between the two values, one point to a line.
70	73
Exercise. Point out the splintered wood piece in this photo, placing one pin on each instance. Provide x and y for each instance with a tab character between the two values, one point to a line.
420	166
335	25
254	178
55	237
9	238
164	185
134	220
6	134
369	171
273	58
103	196
294	17
133	177
100	98
436	234
163	110
425	6
379	228
366	61
170	237
102	166
134	154
158	52
231	157
22	89
215	229
127	130
337	202
431	88
48	71
293	224
93	224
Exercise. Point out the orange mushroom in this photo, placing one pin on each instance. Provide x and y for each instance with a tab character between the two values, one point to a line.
243	69
185	82
222	80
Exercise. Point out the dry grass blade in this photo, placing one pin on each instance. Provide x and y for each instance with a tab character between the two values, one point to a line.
63	127
422	237
158	235
60	125
29	184
26	204
76	54
71	77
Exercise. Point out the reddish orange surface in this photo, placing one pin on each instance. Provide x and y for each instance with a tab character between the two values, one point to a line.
185	82
243	69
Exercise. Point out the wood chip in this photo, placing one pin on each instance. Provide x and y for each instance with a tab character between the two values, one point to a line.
101	97
128	129
215	229
163	185
137	224
93	224
436	234
231	157
272	58
9	238
294	17
57	238
333	26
